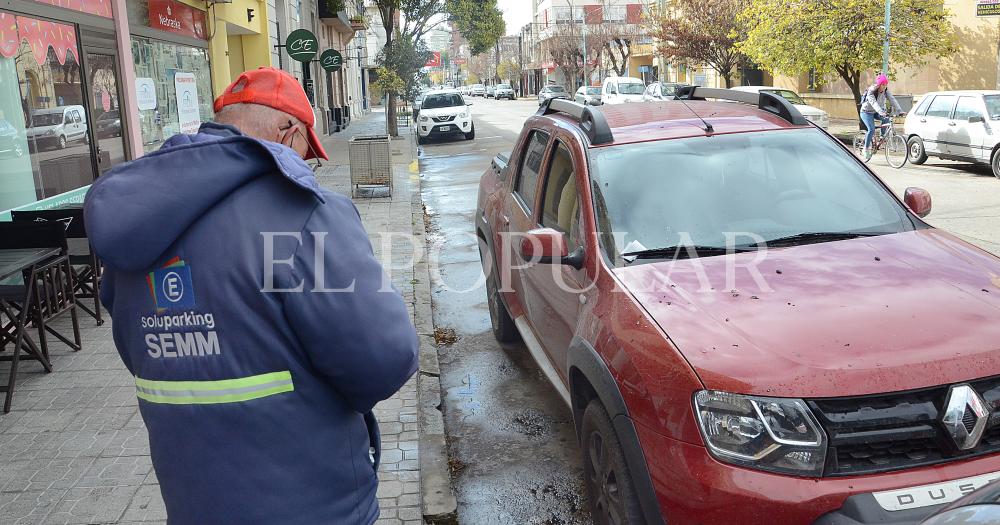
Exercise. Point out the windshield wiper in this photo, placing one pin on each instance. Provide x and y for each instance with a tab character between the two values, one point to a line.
814	237
685	251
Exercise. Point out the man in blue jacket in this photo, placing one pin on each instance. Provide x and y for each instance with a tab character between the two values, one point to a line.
249	307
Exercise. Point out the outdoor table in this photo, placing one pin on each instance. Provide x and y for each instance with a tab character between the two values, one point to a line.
12	263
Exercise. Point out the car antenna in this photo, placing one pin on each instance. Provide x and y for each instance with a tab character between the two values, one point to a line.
708	127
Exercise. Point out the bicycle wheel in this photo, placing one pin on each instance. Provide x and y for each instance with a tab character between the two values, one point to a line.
859	143
895	150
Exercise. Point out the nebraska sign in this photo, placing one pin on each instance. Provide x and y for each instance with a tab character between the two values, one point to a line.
175	17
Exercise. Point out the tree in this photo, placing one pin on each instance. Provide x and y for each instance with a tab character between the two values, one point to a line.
509	70
479	21
702	31
844	37
565	47
418	18
609	37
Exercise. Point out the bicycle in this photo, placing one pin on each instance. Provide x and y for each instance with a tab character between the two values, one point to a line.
895	144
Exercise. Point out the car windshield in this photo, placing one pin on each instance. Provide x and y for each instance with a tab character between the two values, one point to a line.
556	89
442	101
593	91
668	90
47	119
788	95
749	186
993	106
631	88
503	86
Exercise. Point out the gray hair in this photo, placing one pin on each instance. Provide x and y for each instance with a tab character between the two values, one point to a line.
255	120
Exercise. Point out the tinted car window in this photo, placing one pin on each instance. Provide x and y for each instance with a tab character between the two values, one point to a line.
531	165
668	90
924	104
442	101
773	184
631	88
941	106
967	107
593	91
556	89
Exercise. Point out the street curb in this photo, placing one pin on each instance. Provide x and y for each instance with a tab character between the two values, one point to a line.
437	499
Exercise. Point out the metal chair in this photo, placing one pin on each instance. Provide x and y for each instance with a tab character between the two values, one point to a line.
86	266
48	290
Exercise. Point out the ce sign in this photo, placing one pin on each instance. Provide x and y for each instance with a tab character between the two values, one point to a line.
331	60
301	45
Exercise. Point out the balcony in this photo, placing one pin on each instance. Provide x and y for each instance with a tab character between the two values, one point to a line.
338	20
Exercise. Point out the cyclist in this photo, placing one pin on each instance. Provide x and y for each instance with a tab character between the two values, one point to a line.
873	106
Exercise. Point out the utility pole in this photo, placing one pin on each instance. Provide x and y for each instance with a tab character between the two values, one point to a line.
885	44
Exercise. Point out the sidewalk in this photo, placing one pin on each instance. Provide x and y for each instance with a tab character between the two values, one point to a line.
74	449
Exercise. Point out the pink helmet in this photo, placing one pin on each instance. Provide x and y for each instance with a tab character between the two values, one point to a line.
882	80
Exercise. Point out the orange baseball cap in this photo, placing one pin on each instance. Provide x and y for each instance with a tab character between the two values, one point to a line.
274	88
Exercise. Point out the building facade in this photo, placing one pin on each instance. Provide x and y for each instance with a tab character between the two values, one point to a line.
87	84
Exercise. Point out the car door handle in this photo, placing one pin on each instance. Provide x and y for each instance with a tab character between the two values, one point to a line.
923	120
506	219
951	123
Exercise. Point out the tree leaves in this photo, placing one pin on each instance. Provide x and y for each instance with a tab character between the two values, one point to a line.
704	31
843	38
479	21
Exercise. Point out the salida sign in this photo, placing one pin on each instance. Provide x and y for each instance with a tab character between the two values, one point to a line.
175	17
301	45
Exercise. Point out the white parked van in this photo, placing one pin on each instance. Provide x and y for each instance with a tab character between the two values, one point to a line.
619	90
57	126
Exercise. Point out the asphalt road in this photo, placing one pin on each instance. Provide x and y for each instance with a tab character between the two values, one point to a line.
512	448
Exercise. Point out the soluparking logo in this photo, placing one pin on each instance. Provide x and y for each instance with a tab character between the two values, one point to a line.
170	286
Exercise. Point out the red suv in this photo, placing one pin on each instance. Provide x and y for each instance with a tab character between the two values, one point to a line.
747	324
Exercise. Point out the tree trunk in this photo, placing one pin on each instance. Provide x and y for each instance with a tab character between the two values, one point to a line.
728	77
390	115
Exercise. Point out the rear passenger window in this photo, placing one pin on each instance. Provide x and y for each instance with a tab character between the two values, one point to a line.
941	106
967	107
560	203
531	165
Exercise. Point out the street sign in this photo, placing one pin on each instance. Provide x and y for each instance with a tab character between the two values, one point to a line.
301	45
988	8
331	60
434	60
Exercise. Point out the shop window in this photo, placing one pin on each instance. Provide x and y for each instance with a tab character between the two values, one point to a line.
44	133
165	111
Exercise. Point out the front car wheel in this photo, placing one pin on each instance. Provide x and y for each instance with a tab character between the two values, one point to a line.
915	150
610	489
995	163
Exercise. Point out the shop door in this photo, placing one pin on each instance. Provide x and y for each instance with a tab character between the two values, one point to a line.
105	110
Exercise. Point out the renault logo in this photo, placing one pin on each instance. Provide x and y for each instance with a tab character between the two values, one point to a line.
965	416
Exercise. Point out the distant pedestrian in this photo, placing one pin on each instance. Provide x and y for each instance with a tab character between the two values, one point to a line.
249	307
875	106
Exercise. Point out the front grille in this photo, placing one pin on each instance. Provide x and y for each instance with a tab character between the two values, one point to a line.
448	118
887	432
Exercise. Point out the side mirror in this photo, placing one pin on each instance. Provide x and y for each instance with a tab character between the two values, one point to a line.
976	118
593	102
468	103
548	246
918	200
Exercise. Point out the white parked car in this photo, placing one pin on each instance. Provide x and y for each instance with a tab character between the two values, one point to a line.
817	116
477	90
619	90
955	125
661	91
588	95
504	91
445	113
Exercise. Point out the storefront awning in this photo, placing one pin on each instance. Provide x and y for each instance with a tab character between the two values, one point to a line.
40	35
94	7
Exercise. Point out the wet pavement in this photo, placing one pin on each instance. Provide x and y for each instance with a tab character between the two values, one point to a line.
512	449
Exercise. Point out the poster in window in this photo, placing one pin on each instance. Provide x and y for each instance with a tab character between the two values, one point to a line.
145	93
188	116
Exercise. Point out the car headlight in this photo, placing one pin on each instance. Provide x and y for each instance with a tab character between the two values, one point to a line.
463	114
50	132
423	118
764	433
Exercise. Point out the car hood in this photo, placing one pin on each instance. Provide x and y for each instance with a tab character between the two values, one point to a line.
440	112
854	317
810	111
41	130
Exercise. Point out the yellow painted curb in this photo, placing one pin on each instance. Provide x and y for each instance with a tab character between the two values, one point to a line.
413	167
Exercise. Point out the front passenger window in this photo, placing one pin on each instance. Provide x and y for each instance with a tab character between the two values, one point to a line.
560	203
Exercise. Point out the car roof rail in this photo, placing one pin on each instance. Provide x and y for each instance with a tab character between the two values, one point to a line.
769	102
591	119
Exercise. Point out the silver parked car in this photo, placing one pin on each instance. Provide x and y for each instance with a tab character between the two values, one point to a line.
588	95
661	91
552	91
